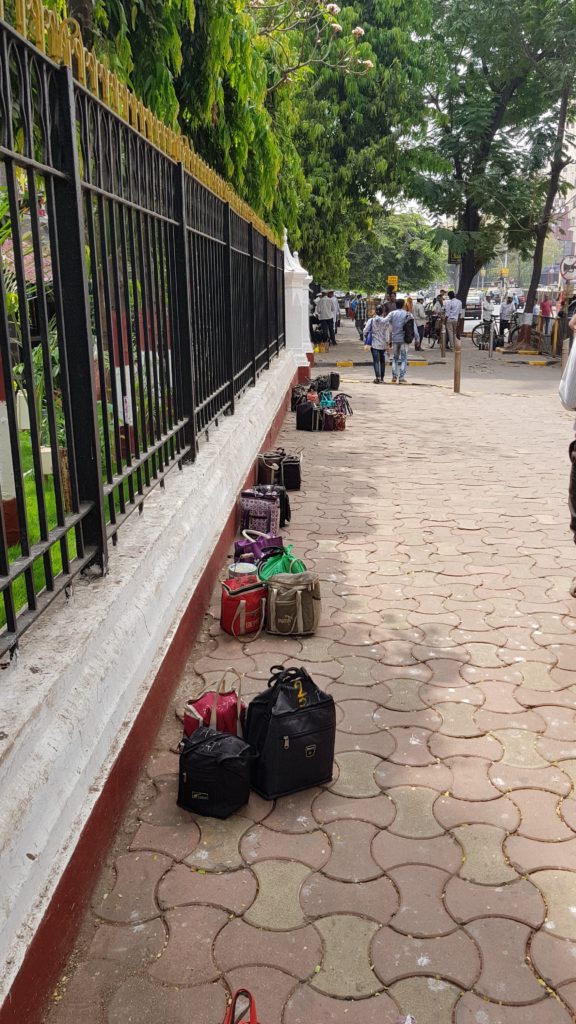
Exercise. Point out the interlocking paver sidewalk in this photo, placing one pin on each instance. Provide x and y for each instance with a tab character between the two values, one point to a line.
437	874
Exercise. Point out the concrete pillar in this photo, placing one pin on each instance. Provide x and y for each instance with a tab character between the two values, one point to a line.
296	283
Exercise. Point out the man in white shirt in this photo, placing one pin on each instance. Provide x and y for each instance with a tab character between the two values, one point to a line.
325	314
506	311
420	320
453	312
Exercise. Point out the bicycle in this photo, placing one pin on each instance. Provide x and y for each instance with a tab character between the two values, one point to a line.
481	333
433	328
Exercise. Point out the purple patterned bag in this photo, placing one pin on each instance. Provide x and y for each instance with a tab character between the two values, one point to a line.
259	512
252	545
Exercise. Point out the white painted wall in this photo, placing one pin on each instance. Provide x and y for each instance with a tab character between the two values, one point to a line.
84	669
296	282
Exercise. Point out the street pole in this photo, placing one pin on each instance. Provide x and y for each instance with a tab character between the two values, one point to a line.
457	364
491	340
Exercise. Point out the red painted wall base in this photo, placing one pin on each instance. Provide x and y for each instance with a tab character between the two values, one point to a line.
56	934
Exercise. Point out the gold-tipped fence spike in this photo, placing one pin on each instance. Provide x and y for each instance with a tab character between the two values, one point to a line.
61	39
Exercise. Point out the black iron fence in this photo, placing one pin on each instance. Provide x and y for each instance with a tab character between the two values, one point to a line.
137	303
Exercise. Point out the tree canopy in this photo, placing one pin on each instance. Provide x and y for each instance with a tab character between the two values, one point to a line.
320	116
402	244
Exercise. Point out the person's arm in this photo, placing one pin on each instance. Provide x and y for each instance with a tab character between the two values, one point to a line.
367	327
572	323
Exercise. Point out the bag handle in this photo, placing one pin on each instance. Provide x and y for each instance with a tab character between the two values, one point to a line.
253	534
218	692
231	1018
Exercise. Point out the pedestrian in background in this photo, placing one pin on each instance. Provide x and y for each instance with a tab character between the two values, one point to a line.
335	313
397	321
360	313
375	329
546	314
420	320
507	310
453	311
325	314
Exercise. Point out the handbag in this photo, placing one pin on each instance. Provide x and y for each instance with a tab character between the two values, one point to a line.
293	472
214	773
292	728
342	403
242	607
340	421
260	512
294	604
274	562
567	386
253	545
280	492
326	401
308	417
231	1017
271	467
368	340
220	709
330	419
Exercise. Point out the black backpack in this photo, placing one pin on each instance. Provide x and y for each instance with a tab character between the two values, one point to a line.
308	417
214	777
409	329
292	728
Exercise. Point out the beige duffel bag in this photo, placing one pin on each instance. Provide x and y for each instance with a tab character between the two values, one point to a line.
293	606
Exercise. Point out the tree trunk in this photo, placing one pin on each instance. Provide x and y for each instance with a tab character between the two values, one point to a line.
556	168
468	271
83	12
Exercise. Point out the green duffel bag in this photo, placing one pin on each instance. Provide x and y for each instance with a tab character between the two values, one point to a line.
279	560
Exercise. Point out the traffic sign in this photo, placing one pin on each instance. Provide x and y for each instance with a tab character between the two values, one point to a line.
393	280
504	271
568	268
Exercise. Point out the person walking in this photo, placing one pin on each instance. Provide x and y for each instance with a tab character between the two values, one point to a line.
389	304
335	313
397	321
419	320
453	311
375	328
507	310
546	314
325	314
360	314
567	391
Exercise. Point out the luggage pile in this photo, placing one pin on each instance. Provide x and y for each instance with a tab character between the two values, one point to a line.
317	407
268	586
287	744
284	740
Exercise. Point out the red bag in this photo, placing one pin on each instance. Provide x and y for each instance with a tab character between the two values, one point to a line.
225	711
231	1017
243	606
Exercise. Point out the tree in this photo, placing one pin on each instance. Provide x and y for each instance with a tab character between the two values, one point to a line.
358	137
401	244
491	89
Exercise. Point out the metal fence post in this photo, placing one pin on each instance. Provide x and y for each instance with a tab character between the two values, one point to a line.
252	299
457	364
267	301
228	312
185	341
276	301
77	323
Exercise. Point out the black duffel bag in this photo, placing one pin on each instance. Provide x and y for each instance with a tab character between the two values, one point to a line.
214	776
280	492
292	728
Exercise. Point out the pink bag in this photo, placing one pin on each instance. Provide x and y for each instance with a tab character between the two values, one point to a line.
253	545
225	711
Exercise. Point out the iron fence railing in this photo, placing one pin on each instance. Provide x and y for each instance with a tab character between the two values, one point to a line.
136	306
